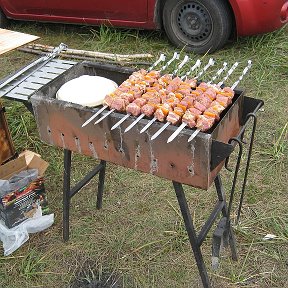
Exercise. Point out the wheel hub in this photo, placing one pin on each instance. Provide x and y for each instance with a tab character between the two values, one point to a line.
194	21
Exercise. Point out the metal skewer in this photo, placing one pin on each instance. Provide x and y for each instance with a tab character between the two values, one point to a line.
196	65
183	125
186	59
244	72
231	70
175	56
195	133
218	73
148	125
210	63
161	59
43	60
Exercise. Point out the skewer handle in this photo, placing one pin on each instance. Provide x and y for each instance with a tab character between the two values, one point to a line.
185	60
219	72
211	62
175	56
196	65
246	69
161	58
231	70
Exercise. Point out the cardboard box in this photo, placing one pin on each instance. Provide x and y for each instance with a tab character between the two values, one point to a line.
19	205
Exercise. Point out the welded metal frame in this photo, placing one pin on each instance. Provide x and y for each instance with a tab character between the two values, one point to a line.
223	232
69	192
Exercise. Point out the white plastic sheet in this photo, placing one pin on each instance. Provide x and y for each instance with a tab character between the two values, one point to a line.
15	237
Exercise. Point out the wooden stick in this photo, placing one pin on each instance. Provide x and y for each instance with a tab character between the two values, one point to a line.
78	57
92	53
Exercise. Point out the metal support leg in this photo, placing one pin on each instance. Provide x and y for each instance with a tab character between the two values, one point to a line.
191	233
253	116
101	185
229	237
217	242
66	193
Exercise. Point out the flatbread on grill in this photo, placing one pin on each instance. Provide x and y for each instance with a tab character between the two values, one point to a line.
86	90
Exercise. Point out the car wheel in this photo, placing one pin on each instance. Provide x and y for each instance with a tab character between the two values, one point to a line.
3	20
197	25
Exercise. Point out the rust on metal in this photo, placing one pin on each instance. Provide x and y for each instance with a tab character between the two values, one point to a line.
60	124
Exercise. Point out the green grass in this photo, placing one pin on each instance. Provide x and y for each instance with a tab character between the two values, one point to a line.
138	239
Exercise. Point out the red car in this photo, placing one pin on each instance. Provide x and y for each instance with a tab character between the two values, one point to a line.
199	25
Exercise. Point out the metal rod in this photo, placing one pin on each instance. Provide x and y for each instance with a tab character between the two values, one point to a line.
148	125
210	63
251	115
231	70
161	59
85	180
183	125
94	116
212	218
174	135
160	130
191	233
194	134
246	69
134	123
175	56
235	174
185	60
219	84
196	65
43	60
66	193
104	116
101	185
120	122
222	197
218	73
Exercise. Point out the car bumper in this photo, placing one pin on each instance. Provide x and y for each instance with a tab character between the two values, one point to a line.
259	16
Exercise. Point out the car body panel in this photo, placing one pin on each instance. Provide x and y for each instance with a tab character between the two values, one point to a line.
23	7
124	10
257	16
251	17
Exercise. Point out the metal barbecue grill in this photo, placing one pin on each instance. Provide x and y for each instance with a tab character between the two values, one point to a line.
196	163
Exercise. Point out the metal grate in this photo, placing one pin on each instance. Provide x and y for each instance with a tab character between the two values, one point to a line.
39	78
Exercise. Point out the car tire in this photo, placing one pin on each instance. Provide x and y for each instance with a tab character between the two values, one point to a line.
197	25
3	20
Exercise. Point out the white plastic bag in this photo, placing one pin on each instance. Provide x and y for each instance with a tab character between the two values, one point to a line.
15	237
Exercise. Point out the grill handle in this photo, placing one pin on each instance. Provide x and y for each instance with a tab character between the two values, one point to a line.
219	152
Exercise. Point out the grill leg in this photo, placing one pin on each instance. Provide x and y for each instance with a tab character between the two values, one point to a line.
66	193
217	242
228	236
191	233
101	185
